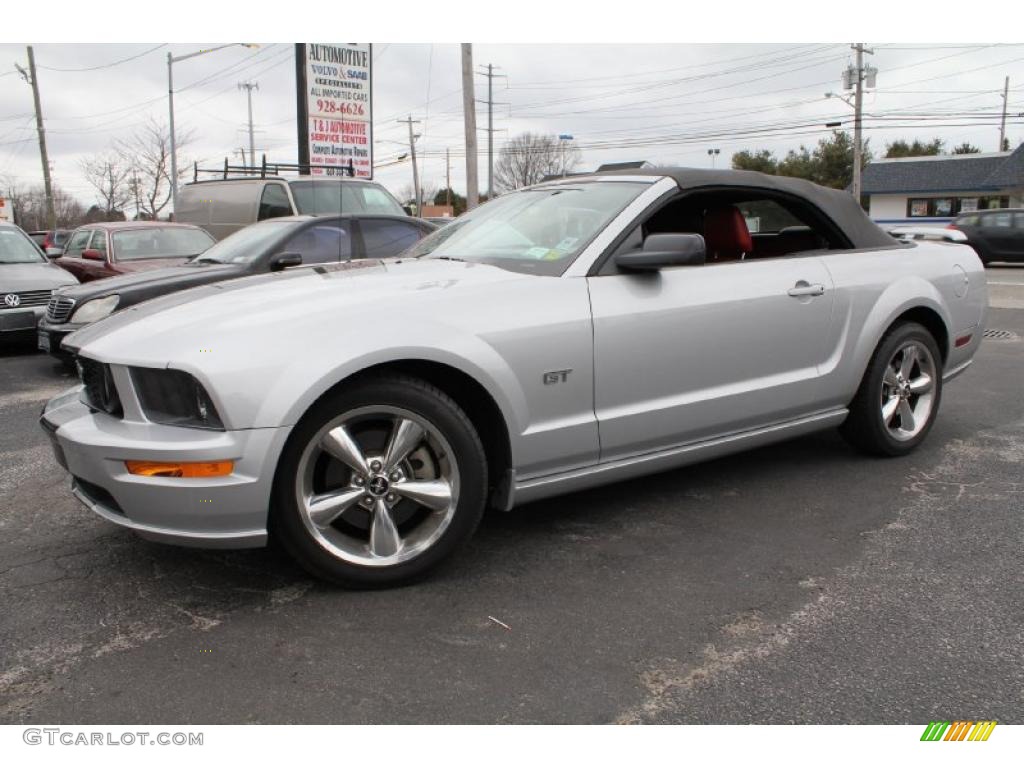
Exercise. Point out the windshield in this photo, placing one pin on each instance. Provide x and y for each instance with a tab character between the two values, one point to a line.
321	197
539	231
159	243
16	248
247	244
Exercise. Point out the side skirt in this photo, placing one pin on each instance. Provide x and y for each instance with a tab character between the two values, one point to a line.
623	469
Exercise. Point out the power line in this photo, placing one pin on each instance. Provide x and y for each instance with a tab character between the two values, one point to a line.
106	66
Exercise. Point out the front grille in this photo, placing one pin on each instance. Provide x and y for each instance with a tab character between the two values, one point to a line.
59	308
30	299
100	392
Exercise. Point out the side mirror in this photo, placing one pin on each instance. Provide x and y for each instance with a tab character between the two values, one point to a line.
92	254
285	260
664	250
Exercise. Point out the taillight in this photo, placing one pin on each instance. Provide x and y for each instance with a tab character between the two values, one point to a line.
952	225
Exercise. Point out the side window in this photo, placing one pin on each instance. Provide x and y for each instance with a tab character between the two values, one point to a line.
1018	221
1002	220
99	242
77	244
274	202
738	225
322	244
383	238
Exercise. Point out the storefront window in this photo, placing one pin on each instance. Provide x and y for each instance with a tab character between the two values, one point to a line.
947	207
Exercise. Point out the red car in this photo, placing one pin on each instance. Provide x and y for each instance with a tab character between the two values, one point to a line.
106	249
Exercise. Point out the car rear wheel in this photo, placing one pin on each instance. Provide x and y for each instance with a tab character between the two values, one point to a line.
898	399
379	483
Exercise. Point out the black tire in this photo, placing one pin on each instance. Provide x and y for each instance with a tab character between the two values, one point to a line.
396	391
864	428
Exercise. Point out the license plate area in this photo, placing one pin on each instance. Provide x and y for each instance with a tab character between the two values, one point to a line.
17	321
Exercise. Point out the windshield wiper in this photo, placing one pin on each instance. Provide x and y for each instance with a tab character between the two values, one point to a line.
446	258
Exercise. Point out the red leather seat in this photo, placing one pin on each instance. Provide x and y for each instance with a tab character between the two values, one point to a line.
726	235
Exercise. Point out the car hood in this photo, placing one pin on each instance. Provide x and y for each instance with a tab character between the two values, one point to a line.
15	278
292	299
153	282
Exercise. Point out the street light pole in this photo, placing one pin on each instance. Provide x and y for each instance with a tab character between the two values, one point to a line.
170	107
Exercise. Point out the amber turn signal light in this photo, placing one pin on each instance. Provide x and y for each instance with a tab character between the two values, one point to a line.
180	468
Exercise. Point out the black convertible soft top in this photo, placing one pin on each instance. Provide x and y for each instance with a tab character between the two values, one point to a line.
837	204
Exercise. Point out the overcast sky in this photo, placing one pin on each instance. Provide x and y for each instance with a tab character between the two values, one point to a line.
663	103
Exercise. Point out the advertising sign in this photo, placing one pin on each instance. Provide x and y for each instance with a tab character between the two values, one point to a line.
338	99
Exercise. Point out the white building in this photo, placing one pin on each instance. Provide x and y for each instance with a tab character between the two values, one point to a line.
935	189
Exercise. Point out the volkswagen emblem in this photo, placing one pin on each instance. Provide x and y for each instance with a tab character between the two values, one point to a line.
12	299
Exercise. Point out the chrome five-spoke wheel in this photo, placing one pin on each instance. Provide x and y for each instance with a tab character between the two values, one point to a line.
908	386
377	486
898	398
379	482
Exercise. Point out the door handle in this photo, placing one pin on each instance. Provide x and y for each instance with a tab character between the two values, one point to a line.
803	288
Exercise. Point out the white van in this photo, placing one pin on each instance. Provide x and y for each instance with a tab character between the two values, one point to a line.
223	206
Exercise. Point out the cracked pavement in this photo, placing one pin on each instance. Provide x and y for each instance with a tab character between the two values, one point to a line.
797	583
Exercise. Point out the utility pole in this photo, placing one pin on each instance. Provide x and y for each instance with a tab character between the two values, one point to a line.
415	171
448	178
489	74
469	119
1002	124
30	78
858	105
248	85
490	132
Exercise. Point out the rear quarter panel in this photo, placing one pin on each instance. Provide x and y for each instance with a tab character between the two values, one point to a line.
874	287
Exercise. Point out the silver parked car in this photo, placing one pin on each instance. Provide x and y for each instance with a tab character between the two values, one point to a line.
27	280
583	331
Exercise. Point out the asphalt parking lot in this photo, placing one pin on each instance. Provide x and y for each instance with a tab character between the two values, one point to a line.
798	583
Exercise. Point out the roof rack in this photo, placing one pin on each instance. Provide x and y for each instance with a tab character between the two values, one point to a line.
266	169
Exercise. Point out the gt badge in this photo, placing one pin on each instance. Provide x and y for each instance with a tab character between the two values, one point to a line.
556	377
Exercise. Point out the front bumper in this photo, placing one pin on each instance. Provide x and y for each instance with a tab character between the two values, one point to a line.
50	335
20	321
218	512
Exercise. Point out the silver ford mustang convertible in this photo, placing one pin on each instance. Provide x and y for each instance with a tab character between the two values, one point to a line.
577	332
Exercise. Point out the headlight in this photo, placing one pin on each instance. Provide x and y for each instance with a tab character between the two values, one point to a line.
95	310
174	397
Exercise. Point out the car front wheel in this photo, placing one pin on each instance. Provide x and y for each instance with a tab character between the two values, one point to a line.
898	399
379	483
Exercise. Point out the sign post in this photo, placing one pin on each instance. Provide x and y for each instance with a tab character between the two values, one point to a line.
334	86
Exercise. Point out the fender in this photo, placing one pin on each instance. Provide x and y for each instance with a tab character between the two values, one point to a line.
463	351
906	293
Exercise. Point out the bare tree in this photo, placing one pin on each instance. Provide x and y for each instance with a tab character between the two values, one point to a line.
407	195
110	175
529	157
147	154
30	210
